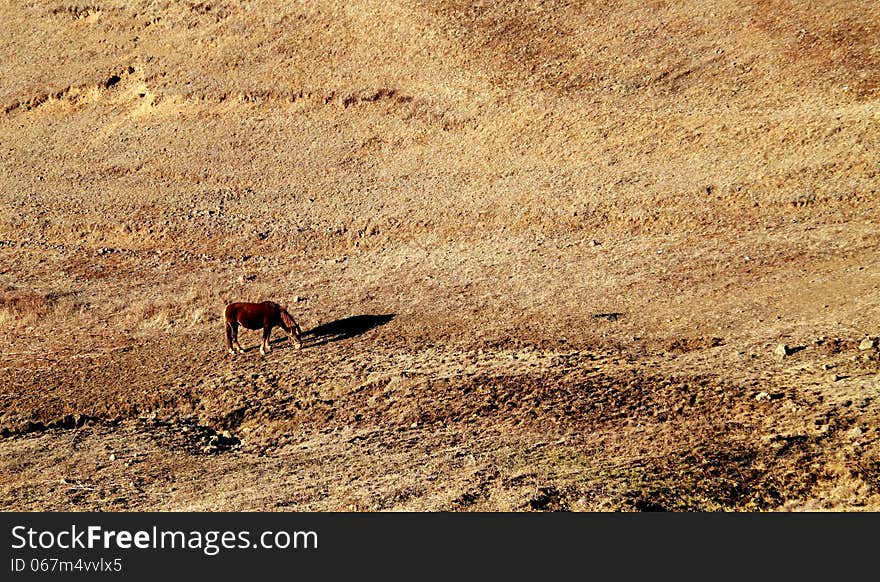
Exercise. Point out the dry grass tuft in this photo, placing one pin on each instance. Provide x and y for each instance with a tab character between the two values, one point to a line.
24	307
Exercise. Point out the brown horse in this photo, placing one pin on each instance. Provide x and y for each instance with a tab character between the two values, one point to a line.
265	316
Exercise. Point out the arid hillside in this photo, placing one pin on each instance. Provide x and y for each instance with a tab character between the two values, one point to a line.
547	255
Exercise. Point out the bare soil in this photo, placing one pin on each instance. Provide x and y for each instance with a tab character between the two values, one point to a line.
544	254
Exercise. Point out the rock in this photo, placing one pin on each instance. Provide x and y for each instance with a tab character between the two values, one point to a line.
834	377
782	350
869	343
112	457
854	432
762	396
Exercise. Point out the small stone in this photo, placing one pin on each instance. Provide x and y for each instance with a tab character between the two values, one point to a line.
112	457
782	350
854	432
762	396
834	377
869	343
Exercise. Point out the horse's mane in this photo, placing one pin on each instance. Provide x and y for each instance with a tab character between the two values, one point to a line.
289	323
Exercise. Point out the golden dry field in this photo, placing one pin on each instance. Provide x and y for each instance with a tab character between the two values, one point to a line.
546	255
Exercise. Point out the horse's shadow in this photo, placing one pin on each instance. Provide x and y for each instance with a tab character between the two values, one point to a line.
344	328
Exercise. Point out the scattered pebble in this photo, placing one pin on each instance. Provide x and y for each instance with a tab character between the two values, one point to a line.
869	343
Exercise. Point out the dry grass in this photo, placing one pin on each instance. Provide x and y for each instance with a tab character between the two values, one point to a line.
20	308
536	192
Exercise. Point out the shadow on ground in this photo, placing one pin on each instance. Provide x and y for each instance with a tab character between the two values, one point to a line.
345	328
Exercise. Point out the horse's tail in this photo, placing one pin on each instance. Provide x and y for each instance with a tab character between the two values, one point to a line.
227	317
228	335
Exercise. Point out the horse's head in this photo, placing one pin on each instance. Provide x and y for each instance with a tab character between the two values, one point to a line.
294	332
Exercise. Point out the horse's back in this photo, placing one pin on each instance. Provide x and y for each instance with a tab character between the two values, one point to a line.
252	315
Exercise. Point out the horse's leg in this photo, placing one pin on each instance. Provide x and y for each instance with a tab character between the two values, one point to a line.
265	347
229	338
232	337
235	337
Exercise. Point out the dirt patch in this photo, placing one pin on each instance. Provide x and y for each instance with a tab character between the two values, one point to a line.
545	258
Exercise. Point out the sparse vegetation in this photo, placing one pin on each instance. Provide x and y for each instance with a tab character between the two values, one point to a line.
543	255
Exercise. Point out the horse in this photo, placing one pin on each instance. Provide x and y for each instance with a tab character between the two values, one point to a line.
265	316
